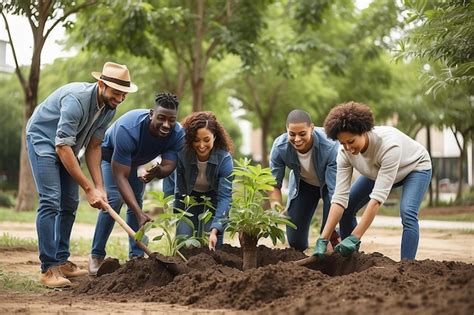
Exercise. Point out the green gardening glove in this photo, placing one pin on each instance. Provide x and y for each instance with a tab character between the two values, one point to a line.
348	245
321	248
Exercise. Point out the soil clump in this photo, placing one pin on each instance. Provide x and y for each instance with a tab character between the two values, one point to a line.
362	283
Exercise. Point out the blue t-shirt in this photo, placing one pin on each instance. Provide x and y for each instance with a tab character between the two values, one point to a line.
132	144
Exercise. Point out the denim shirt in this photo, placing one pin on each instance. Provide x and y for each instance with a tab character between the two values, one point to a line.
66	117
283	155
218	173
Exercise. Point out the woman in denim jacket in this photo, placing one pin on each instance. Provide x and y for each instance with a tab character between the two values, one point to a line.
311	157
204	169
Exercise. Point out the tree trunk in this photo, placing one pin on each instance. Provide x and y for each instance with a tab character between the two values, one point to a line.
249	251
428	147
436	175
462	158
197	75
26	197
264	127
198	95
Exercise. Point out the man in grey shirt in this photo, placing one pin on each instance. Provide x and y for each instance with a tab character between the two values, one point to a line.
73	118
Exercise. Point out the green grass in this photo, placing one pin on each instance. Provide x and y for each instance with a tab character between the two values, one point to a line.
84	214
19	283
116	246
7	240
461	217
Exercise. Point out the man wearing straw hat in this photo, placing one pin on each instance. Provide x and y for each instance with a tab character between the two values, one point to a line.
69	122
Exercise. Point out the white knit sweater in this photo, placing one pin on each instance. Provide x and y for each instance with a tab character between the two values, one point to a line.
390	156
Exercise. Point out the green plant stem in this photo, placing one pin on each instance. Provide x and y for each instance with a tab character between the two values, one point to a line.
181	255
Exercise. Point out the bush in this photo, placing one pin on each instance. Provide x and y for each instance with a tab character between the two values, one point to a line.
6	200
467	199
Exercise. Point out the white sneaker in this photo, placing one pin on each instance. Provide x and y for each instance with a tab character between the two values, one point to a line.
94	264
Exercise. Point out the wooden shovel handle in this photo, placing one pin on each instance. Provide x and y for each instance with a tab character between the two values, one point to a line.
127	228
306	261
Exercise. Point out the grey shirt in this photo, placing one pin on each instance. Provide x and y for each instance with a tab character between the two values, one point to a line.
389	158
69	116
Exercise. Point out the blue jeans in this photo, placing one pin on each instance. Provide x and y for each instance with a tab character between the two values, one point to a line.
414	187
184	229
58	200
105	223
301	211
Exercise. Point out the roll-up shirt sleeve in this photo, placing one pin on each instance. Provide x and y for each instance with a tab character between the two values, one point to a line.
70	116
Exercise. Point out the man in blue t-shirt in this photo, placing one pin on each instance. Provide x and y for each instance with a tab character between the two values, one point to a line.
136	138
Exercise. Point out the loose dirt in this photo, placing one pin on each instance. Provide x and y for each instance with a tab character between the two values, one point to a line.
365	283
361	283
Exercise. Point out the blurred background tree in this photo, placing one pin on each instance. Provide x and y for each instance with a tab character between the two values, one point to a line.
411	61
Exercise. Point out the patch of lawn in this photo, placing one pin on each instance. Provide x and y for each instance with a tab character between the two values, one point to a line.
461	217
6	240
19	283
84	214
9	214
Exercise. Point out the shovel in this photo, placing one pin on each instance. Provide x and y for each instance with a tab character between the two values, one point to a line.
173	267
306	261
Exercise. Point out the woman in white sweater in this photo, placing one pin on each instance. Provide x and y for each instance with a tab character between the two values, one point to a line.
386	158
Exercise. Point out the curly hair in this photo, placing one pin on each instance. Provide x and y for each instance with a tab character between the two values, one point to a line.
167	100
198	120
356	118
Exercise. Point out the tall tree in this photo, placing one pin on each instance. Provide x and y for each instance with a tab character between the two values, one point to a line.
278	81
194	32
441	31
43	16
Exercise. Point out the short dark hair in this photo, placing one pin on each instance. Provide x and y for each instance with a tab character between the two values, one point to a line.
208	120
356	118
298	116
167	100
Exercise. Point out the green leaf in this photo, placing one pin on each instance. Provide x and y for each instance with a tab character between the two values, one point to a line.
158	237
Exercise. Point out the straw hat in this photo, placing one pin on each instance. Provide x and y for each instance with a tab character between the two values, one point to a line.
116	76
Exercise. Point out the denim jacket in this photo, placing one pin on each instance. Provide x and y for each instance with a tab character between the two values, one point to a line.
66	117
283	155
218	173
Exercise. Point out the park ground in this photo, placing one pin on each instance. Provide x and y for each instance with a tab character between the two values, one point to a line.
19	263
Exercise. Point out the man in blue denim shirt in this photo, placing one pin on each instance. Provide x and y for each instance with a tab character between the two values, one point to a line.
311	157
135	139
73	118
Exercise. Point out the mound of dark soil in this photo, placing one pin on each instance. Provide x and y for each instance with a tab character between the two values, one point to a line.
358	284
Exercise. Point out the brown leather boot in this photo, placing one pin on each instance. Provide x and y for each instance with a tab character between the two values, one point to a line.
71	270
53	278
